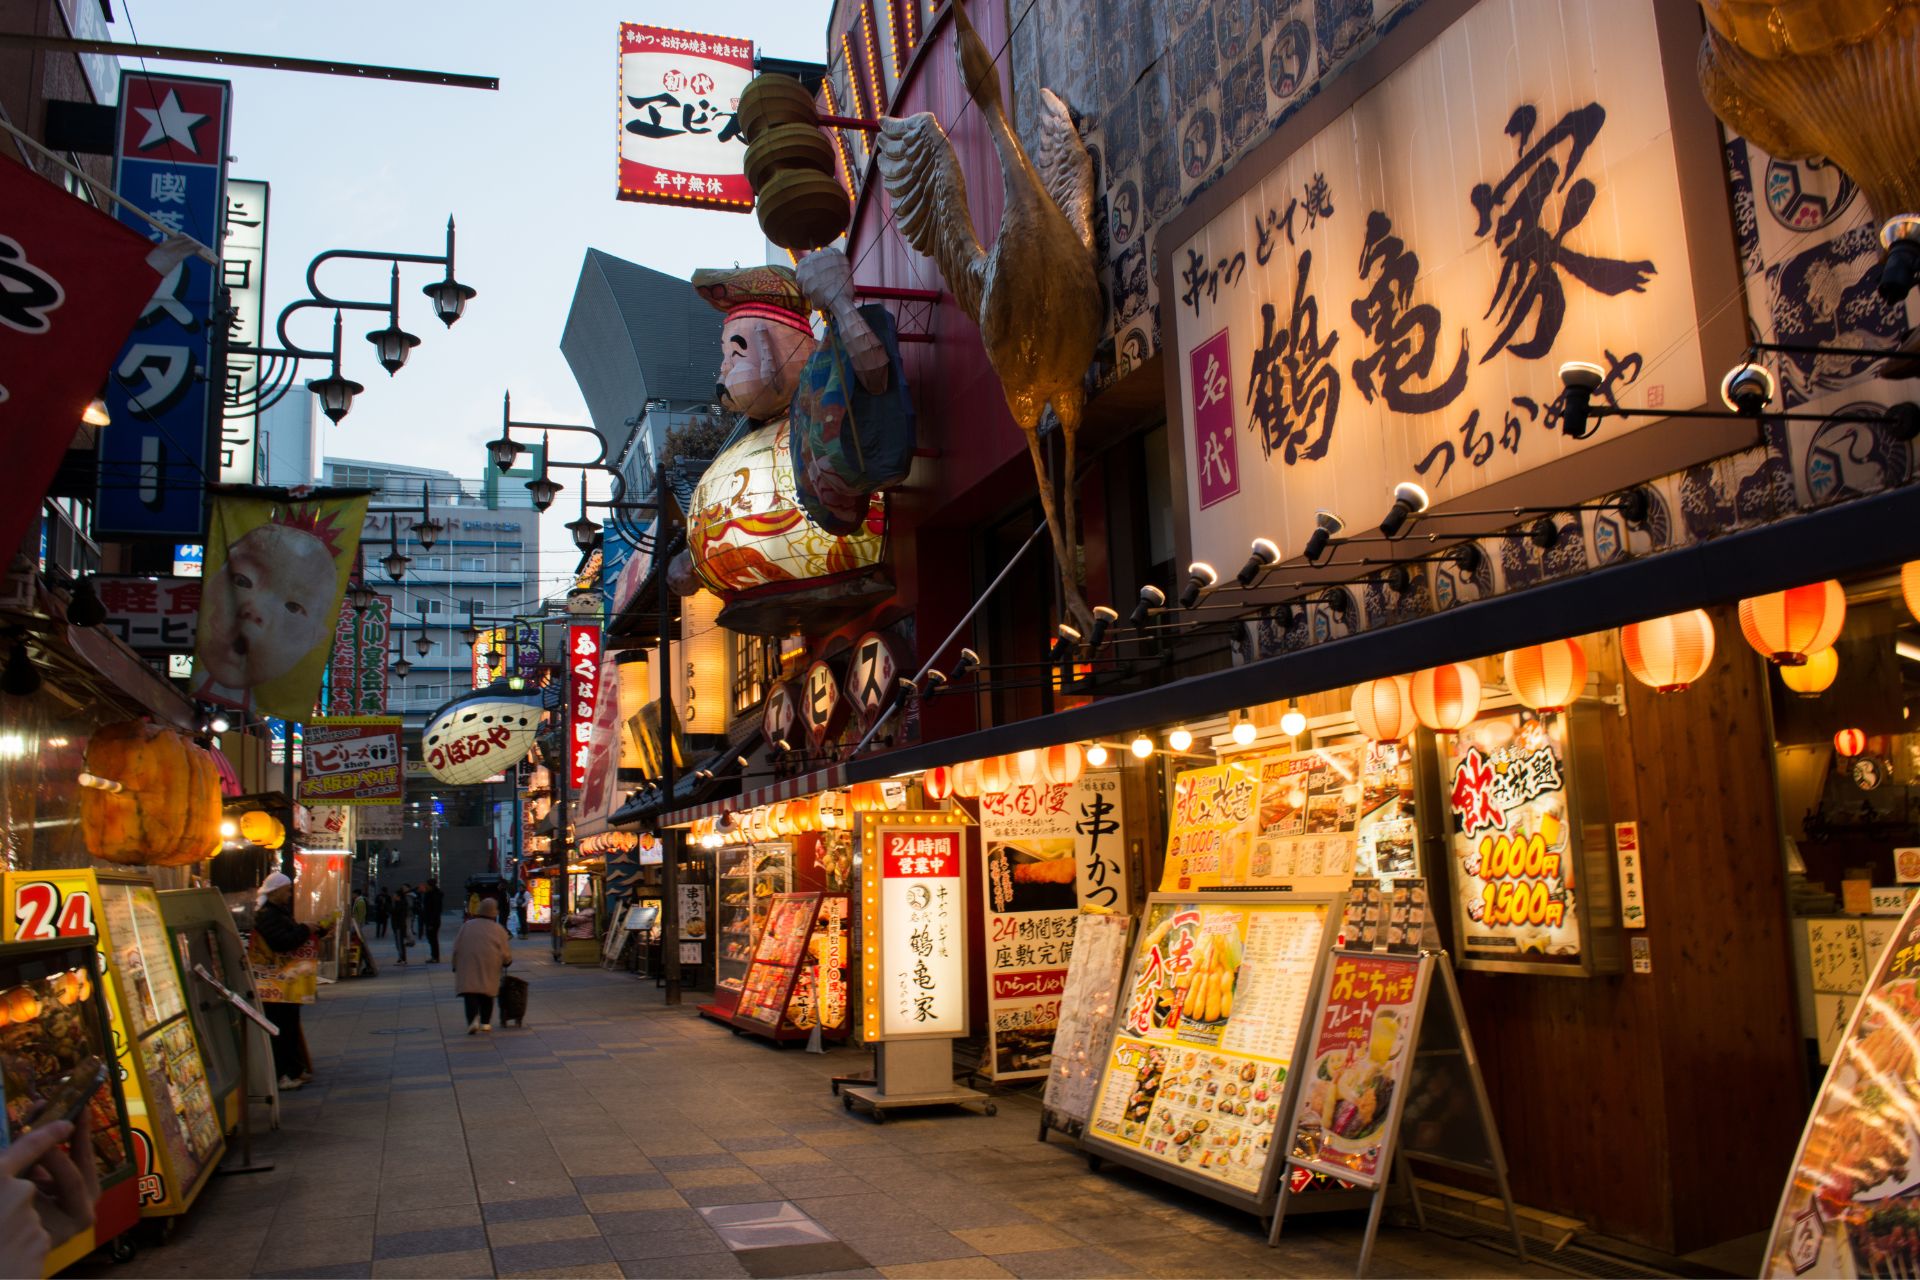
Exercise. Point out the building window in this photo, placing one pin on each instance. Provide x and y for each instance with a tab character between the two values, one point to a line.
513	564
756	662
434	562
430	606
476	564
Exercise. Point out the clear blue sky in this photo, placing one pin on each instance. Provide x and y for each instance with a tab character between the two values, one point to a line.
528	173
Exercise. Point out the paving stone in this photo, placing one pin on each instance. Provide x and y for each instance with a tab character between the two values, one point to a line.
408	1244
642	1181
533	1207
395	1221
664	1244
688	1265
1019	1239
534	1230
435	1266
650	1220
550	1254
889	1248
957	1268
800	1259
626	1201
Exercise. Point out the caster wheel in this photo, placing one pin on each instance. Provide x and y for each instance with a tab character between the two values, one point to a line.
992	1108
1093	1164
121	1250
879	1117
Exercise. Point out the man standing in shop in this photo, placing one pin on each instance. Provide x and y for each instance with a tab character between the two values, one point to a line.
432	904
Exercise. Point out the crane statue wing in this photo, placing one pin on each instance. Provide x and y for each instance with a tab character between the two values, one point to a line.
1066	170
930	203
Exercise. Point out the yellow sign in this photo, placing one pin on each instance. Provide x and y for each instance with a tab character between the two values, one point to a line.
1211	828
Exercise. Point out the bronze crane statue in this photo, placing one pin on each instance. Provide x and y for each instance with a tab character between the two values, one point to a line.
1034	293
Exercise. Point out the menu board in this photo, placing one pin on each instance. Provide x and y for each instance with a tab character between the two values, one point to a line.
783	940
140	952
1211	828
540	900
1086	1015
1342	811
1514	859
1854	1192
1209	1020
1050	849
914	927
1356	1077
820	986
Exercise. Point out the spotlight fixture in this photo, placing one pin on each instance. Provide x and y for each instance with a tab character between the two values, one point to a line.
20	677
1201	577
1180	739
1340	600
1409	500
1398	579
1096	755
1066	639
1266	554
1544	533
1326	527
219	723
85	609
1243	731
1141	746
1748	389
741	761
1151	598
1900	237
968	664
1103	618
1903	420
1636	506
395	562
936	679
1580	378
1466	557
1292	723
1285	615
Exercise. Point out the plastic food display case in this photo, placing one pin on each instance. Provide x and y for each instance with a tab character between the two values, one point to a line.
797	980
177	1135
747	879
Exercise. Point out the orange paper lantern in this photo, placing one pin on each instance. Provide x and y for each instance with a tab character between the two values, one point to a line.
833	811
1812	677
1026	767
1786	626
966	779
1668	654
1547	677
1849	742
1063	765
995	775
1445	698
1383	709
937	783
1910	586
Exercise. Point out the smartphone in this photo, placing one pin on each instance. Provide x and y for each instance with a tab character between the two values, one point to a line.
68	1096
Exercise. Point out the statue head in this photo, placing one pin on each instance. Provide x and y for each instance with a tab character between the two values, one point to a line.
765	341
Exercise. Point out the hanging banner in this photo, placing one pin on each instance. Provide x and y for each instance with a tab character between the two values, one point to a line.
152	615
1050	850
243	273
74	282
679	142
353	760
170	162
1210	831
1086	1013
276	572
583	697
357	674
599	793
914	913
331	828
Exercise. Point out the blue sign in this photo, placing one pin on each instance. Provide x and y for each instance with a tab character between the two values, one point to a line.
170	162
439	805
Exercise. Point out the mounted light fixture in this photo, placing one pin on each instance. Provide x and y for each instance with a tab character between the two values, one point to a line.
1096	754
1265	555
1399	579
1292	723
95	414
449	296
1748	388
1066	639
1180	739
1580	378
586	528
392	344
428	531
1243	729
1636	506
395	562
1201	577
506	449
422	645
401	668
1409	500
968	664
471	635
1326	527
544	487
1467	558
219	723
1151	598
1103	618
362	596
1544	533
335	393
1141	746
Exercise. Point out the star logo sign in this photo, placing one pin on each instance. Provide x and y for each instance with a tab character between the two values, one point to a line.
169	122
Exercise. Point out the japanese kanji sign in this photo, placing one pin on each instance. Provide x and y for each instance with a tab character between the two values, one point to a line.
1377	309
1362	1048
170	161
916	887
583	700
153	615
353	760
679	142
357	674
243	273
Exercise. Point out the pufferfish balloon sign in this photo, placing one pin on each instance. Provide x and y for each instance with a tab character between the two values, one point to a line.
480	734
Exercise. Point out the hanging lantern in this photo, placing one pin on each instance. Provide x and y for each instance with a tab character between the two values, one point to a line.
1547	677
1062	765
263	829
805	813
833	811
1812	677
1910	587
995	775
1849	743
781	819
1026	767
937	783
1445	698
1668	654
1383	709
966	779
1786	626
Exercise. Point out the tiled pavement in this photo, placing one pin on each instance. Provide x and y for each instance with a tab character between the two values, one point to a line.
615	1137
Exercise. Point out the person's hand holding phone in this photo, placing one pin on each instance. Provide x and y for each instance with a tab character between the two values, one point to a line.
44	1191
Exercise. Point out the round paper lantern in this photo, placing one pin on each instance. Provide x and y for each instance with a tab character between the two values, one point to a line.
805	813
1547	677
1849	742
937	783
263	829
1668	654
780	820
1026	767
1445	698
833	811
1383	709
1063	765
153	798
1813	676
479	734
966	779
1910	586
867	797
995	775
760	825
1786	626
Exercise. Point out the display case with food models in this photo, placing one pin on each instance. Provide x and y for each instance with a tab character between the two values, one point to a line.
797	980
53	1017
1200	1068
204	935
177	1134
540	903
577	939
747	879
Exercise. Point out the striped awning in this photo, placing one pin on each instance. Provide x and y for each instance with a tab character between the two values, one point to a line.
806	784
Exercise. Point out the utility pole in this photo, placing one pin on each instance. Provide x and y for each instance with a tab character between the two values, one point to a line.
670	839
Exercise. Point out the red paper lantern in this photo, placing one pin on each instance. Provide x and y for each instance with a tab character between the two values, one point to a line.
1026	767
937	783
966	779
1547	677
1383	708
1445	698
995	776
1786	626
1849	742
1668	654
1063	764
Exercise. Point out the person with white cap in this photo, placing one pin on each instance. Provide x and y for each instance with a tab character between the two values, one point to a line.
273	922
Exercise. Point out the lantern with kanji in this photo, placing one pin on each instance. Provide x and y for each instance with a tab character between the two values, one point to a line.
833	811
1547	677
1668	654
937	783
1849	742
1383	709
1026	767
1786	626
1063	764
1814	676
780	820
1445	698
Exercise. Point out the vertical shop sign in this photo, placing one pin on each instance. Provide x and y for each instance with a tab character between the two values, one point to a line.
243	273
679	141
1211	828
169	162
583	688
1633	889
916	980
370	680
1215	463
1051	849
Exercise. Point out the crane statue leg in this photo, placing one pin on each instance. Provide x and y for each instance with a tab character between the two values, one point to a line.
1062	544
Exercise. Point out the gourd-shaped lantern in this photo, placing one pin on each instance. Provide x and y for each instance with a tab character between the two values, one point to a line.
149	796
1668	654
263	829
1445	698
1062	765
1786	626
1814	676
937	783
1849	742
1547	677
1383	708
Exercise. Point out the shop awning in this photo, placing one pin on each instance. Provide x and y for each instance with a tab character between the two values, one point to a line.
1853	537
689	788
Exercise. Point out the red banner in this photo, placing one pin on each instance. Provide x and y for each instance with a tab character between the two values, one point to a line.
928	854
583	698
72	282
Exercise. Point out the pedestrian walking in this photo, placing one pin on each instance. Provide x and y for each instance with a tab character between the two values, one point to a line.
520	901
433	904
382	905
274	924
402	910
360	910
473	904
480	951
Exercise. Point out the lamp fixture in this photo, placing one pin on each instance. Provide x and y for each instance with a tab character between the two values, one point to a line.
1544	533
471	635
1243	732
95	414
362	597
544	487
422	645
401	668
85	609
1748	388
1467	558
428	532
1180	739
1399	579
585	529
449	296
219	723
395	562
335	393
393	344
1151	598
1409	500
1201	577
1326	527
1580	378
1096	754
1103	618
1141	746
1292	722
1265	554
1066	639
968	664
504	450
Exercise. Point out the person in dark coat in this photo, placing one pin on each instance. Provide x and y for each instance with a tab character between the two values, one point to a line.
433	904
402	912
273	921
382	904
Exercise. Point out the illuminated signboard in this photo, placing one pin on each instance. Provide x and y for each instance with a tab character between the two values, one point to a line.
913	898
679	143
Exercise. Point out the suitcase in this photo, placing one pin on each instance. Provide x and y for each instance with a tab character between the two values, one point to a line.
513	1000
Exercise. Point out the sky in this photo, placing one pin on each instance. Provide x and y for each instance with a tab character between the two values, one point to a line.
528	173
